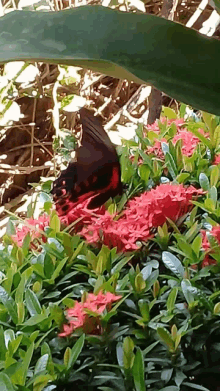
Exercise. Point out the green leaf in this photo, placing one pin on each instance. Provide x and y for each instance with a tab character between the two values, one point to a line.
188	291
197	245
195	386
5	383
166	374
170	388
41	381
32	303
214	175
55	223
10	228
67	356
19	293
172	299
35	319
58	269
182	177
19	376
76	350
166	338
151	279
144	172
169	113
41	364
204	181
9	303
216	137
171	165
128	356
76	252
149	348
122	46
173	263
138	371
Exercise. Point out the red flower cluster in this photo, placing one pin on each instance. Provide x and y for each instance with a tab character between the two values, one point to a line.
143	213
87	315
215	232
189	143
38	225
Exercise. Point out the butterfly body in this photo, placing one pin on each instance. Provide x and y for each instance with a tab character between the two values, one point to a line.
95	172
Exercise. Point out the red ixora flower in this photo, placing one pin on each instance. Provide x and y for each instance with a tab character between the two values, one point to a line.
189	143
217	160
87	315
38	225
79	211
215	232
143	213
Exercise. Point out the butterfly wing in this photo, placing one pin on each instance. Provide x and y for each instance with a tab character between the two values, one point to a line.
95	173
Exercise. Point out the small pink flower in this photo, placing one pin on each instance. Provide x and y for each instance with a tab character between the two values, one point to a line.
79	317
38	225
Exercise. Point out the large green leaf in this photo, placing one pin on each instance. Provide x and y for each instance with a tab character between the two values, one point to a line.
144	48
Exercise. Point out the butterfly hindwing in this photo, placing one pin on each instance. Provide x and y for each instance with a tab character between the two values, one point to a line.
95	173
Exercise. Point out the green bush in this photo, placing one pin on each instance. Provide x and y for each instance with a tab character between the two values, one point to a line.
159	326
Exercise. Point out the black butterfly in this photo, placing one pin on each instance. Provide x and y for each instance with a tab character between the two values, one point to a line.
95	172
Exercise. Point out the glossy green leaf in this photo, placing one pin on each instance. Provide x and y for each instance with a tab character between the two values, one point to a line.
188	291
141	47
166	338
172	299
173	263
76	350
19	376
32	303
204	181
41	364
138	371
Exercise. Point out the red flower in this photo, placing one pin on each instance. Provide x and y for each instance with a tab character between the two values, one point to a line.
38	225
80	211
189	143
80	317
155	127
207	261
215	232
143	213
217	160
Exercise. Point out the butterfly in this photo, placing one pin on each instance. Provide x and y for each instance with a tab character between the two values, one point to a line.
95	172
